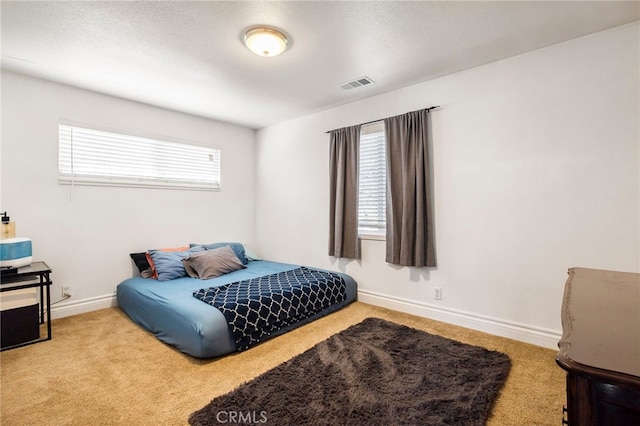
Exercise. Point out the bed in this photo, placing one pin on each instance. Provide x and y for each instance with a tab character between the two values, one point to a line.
170	311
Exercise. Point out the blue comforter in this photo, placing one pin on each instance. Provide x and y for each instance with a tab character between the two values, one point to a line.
257	307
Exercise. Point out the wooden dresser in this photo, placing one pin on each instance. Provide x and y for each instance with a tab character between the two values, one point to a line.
600	347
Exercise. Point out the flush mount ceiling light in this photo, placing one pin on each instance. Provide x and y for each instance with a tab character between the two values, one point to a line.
265	41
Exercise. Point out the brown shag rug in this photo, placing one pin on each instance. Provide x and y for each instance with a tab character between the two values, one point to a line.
373	373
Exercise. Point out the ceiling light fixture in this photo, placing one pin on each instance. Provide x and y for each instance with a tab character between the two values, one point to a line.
265	41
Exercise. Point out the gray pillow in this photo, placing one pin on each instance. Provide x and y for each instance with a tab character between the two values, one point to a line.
212	263
238	249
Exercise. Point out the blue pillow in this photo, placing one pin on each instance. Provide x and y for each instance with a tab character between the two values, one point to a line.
169	263
237	248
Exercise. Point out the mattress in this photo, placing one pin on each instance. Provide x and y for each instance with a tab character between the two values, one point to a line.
169	310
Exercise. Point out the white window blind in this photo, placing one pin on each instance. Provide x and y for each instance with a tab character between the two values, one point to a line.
96	157
372	175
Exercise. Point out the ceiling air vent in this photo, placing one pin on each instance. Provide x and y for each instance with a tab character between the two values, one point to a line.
362	81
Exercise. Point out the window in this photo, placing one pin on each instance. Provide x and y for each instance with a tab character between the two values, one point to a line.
372	181
96	157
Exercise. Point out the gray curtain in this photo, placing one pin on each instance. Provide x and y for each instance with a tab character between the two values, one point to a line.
409	221
343	205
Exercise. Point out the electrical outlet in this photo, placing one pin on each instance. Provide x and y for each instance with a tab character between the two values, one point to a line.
66	291
437	293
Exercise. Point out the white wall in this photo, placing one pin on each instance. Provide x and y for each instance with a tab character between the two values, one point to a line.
86	233
536	169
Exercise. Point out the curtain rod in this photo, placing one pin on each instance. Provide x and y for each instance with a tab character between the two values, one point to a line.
375	121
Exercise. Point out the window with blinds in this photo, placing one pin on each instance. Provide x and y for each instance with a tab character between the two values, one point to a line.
372	184
96	157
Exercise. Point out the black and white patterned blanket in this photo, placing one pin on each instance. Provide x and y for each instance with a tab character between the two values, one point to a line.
257	307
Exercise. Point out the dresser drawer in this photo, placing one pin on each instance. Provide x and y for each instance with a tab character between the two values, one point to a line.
616	405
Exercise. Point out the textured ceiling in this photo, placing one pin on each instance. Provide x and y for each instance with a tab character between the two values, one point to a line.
189	56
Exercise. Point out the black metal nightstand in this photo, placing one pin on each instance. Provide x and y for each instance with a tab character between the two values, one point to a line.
36	275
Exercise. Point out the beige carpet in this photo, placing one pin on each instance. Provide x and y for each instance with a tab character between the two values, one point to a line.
102	369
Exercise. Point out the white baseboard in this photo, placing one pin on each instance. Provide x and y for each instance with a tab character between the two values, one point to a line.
522	332
81	306
512	330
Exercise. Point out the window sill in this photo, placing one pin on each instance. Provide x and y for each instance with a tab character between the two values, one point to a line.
63	180
373	237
